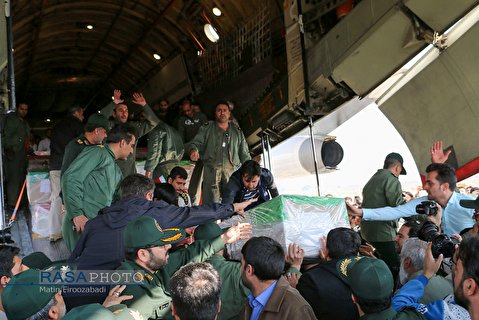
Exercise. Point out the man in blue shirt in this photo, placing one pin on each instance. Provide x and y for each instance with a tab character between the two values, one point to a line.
440	185
271	297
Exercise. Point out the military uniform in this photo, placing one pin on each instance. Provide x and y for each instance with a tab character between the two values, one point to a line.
141	128
152	298
165	150
95	311
88	185
382	190
188	127
16	134
222	153
72	150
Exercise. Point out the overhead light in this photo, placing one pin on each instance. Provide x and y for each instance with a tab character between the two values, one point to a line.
216	11
211	33
156	56
48	120
89	27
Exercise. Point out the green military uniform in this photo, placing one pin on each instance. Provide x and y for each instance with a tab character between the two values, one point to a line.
96	311
16	134
141	128
390	314
382	190
72	150
222	153
88	185
233	291
153	298
165	150
188	127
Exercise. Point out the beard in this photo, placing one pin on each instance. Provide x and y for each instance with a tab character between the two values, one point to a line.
156	263
459	296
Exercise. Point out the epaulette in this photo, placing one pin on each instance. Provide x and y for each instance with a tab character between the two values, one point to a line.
149	277
184	196
79	141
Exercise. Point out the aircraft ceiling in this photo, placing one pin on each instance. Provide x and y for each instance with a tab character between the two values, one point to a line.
60	61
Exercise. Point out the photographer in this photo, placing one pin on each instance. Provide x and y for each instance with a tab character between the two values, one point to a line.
464	304
440	185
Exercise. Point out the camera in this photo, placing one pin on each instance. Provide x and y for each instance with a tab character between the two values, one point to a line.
441	243
427	207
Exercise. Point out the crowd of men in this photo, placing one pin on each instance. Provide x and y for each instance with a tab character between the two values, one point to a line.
120	221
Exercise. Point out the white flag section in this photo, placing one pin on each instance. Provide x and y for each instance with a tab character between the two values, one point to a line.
299	219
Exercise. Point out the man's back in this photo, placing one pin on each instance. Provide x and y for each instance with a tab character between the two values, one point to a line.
233	291
327	294
285	303
62	133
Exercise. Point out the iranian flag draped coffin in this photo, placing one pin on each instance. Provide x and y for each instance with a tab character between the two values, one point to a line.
299	219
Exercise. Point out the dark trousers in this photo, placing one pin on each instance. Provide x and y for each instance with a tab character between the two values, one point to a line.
386	251
15	175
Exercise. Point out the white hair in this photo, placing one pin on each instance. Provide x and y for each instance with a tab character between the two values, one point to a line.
415	249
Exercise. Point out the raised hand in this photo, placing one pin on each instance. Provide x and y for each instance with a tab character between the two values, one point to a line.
117	96
240	231
139	99
295	255
437	152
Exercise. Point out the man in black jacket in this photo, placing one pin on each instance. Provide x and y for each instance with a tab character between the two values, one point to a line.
63	132
250	182
322	287
100	246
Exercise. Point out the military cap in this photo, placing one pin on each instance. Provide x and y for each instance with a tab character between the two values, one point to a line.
368	278
37	260
24	296
397	157
146	232
208	231
98	120
96	311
